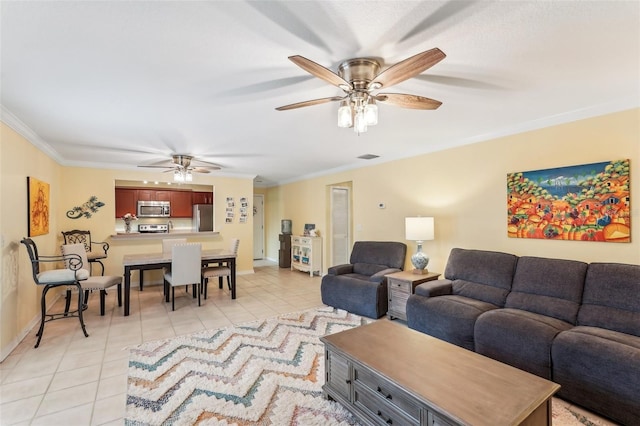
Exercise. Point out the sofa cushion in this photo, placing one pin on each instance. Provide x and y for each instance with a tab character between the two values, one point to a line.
551	287
368	268
598	369
612	298
481	274
519	338
448	318
388	253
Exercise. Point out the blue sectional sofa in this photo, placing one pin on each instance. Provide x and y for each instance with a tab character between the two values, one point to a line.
575	323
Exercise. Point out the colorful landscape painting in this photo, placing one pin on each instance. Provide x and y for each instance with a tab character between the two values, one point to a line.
589	202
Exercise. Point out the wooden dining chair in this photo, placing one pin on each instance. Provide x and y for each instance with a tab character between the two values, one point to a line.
220	271
93	282
185	270
53	278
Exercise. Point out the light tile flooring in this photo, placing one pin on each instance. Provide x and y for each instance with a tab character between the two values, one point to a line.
73	380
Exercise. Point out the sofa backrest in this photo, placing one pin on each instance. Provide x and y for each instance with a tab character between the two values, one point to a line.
551	287
369	257
611	297
480	274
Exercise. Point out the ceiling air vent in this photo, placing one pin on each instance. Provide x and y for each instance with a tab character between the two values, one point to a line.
368	156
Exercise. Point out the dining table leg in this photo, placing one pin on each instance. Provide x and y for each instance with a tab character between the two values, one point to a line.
233	278
127	289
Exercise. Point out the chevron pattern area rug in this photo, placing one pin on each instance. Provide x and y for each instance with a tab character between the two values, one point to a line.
267	372
263	373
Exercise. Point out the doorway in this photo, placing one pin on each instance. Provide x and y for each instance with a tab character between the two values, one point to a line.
340	224
258	226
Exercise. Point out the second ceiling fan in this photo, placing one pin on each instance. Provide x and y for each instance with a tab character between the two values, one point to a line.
183	165
360	79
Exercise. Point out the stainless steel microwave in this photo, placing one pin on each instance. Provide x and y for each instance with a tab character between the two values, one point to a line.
154	209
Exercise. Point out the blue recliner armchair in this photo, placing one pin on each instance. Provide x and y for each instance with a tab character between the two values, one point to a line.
360	287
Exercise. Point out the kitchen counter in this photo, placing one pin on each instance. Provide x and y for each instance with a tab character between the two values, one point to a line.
162	235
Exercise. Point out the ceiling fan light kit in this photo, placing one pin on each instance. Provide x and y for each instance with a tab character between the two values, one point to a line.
182	175
359	78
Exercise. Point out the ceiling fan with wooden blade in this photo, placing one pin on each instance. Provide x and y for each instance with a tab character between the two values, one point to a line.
183	165
360	79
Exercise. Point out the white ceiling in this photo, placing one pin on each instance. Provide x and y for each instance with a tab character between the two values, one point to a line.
116	84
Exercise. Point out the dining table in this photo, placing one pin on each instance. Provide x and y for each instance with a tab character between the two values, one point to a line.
146	261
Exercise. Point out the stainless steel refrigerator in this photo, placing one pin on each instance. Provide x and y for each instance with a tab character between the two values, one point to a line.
202	217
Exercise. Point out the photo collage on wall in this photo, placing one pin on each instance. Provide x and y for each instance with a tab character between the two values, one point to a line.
229	210
244	208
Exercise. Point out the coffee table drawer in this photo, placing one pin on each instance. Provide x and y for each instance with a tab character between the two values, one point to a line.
378	409
387	391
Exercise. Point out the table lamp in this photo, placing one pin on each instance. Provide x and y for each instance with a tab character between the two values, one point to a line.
419	229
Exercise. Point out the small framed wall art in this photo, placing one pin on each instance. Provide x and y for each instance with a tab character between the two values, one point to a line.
38	204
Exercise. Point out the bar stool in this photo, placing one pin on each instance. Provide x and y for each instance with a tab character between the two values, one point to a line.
56	278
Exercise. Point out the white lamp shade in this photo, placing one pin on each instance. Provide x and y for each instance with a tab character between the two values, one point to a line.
419	228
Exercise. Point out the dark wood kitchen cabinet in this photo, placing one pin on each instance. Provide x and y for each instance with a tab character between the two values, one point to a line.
181	205
154	195
126	201
200	197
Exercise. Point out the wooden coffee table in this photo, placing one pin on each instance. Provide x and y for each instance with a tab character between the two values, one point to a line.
386	373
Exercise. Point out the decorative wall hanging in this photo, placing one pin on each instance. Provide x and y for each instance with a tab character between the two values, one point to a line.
230	210
244	206
589	202
85	209
38	202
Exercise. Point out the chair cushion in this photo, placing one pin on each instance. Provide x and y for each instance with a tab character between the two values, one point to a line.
389	253
99	282
216	271
361	268
56	276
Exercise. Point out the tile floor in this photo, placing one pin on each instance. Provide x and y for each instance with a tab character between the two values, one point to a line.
73	380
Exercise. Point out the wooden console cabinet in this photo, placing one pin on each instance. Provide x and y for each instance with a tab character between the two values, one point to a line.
306	254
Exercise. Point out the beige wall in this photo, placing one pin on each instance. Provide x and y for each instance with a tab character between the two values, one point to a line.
19	297
465	190
70	187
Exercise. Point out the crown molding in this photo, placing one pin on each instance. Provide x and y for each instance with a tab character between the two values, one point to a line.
11	120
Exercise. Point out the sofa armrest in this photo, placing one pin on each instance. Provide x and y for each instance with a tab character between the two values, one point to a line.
434	288
380	277
340	269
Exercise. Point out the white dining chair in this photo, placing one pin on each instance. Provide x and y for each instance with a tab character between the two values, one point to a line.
185	269
167	244
219	271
